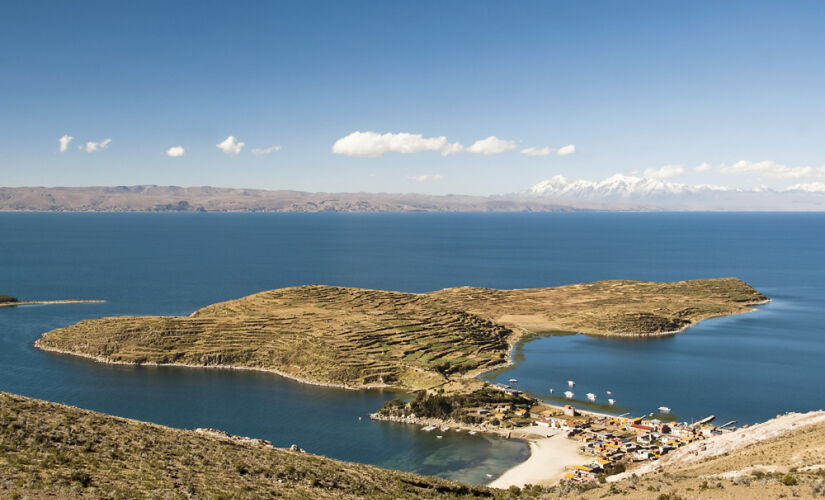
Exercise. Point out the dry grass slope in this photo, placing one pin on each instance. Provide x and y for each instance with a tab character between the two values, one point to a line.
358	338
49	450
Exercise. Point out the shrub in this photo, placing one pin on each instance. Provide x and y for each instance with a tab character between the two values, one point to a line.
789	480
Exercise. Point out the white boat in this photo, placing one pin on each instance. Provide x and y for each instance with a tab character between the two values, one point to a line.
569	394
428	428
663	409
571	383
611	401
591	396
472	433
552	391
439	437
445	429
513	381
609	393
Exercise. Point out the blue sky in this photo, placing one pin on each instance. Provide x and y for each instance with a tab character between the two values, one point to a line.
635	86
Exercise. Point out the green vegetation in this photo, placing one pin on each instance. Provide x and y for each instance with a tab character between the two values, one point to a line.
360	338
52	450
789	480
459	407
7	299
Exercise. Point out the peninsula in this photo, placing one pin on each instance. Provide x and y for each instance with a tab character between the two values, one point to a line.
357	338
9	301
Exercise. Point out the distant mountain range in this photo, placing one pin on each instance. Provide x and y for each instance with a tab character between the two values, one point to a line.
210	199
622	192
619	192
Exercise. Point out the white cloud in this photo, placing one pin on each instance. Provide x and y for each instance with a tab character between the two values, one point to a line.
704	167
426	177
665	172
231	146
372	144
491	146
811	187
567	150
264	151
545	151
770	168
64	142
175	151
92	147
451	149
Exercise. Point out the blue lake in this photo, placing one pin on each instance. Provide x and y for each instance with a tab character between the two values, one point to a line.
747	367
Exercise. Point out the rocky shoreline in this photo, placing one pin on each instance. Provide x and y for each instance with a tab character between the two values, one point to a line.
452	424
100	359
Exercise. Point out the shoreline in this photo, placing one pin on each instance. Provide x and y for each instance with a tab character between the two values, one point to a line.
49	302
272	371
551	454
550	458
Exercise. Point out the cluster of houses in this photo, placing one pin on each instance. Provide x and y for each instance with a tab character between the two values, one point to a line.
614	441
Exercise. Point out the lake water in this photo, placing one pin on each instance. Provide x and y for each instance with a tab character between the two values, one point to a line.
747	367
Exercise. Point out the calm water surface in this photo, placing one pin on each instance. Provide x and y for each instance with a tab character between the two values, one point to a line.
748	367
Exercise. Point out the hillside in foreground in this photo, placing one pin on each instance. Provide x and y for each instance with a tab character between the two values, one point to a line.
359	338
49	450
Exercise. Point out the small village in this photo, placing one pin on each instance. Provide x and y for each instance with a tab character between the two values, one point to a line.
614	442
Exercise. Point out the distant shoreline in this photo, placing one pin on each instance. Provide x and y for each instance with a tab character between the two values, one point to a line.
49	302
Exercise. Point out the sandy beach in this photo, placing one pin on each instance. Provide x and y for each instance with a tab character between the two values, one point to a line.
550	457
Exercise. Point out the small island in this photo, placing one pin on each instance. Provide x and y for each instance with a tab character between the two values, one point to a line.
357	338
9	301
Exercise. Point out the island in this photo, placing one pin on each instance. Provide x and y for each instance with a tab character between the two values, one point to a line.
431	346
357	338
9	301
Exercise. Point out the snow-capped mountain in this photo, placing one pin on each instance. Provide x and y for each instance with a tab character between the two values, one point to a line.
617	187
631	192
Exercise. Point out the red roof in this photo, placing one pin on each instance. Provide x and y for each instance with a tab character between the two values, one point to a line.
643	427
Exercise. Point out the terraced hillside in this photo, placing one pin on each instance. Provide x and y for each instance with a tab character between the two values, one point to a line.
49	450
610	308
342	336
358	338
